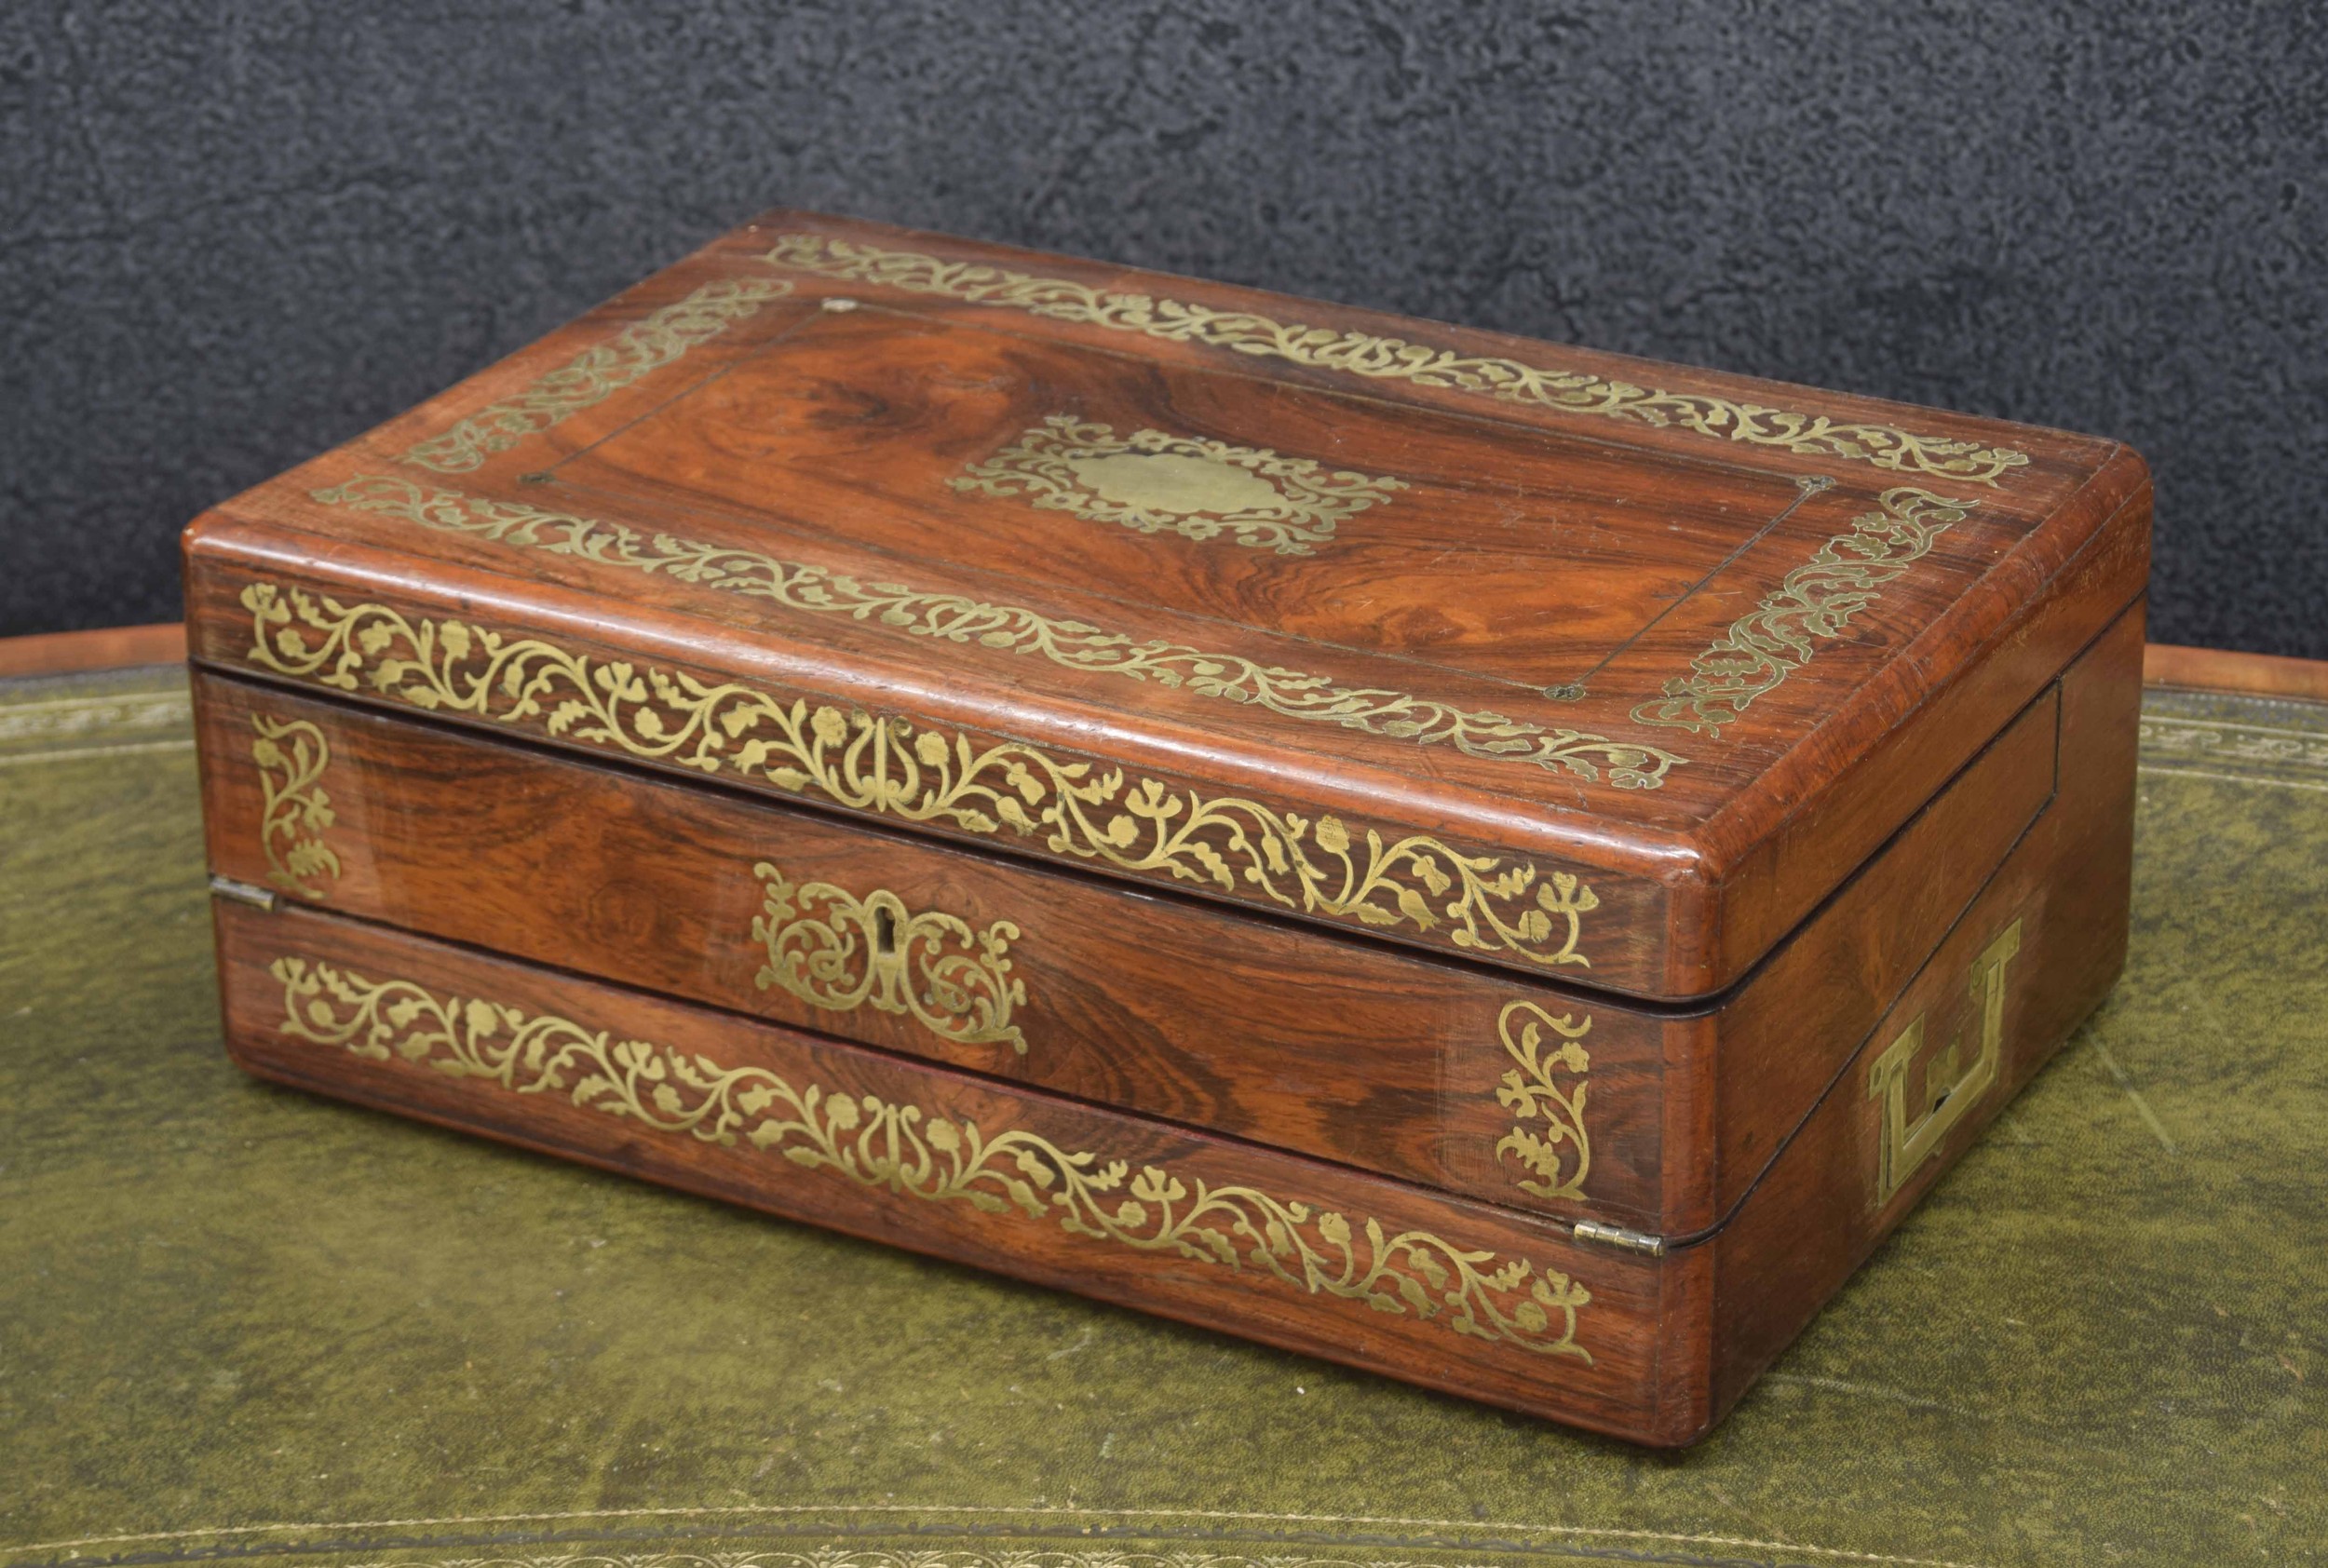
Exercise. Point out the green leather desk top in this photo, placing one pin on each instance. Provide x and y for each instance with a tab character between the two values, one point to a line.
240	1323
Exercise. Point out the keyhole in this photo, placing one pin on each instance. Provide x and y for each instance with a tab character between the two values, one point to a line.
884	932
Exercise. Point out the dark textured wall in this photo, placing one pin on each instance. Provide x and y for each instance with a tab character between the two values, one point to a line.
241	233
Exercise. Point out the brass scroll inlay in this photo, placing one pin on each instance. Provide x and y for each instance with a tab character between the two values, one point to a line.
1807	435
1154	483
1950	1089
890	766
597	373
1814	603
918	1154
1545	1092
951	617
835	951
295	810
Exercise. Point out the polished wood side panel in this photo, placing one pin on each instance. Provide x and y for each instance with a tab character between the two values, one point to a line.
1784	1034
1820	1210
1223	1208
1265	1029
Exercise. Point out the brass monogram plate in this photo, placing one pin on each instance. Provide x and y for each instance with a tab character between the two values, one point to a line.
835	951
915	1154
1950	1088
1154	483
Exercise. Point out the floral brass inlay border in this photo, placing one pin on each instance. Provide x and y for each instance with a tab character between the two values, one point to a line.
1154	483
874	950
1531	1093
1815	602
919	1155
295	810
886	766
1009	627
597	373
1807	435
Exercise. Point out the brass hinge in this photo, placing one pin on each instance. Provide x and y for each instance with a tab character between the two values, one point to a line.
1618	1236
242	892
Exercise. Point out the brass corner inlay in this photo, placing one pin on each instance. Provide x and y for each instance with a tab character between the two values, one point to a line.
295	810
1292	694
835	951
1154	483
1950	1088
1545	1091
891	766
915	1154
1806	434
597	373
1814	603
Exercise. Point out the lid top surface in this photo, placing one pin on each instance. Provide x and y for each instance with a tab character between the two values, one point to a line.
1461	547
1518	590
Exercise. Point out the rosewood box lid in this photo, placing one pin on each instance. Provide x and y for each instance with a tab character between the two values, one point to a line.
1598	669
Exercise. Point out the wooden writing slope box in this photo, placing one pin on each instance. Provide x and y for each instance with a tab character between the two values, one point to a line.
1474	859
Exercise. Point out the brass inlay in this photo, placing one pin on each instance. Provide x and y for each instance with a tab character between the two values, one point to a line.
875	950
1558	1156
1807	435
295	810
1010	627
1154	483
1815	602
597	373
1950	1089
918	1154
886	766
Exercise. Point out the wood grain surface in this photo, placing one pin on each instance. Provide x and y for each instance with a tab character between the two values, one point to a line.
1688	1331
1359	1232
1486	656
1284	818
1270	1029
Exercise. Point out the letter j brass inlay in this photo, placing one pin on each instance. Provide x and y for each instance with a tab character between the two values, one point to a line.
1950	1090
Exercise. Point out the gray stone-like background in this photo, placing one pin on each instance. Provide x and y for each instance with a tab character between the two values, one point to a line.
238	233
